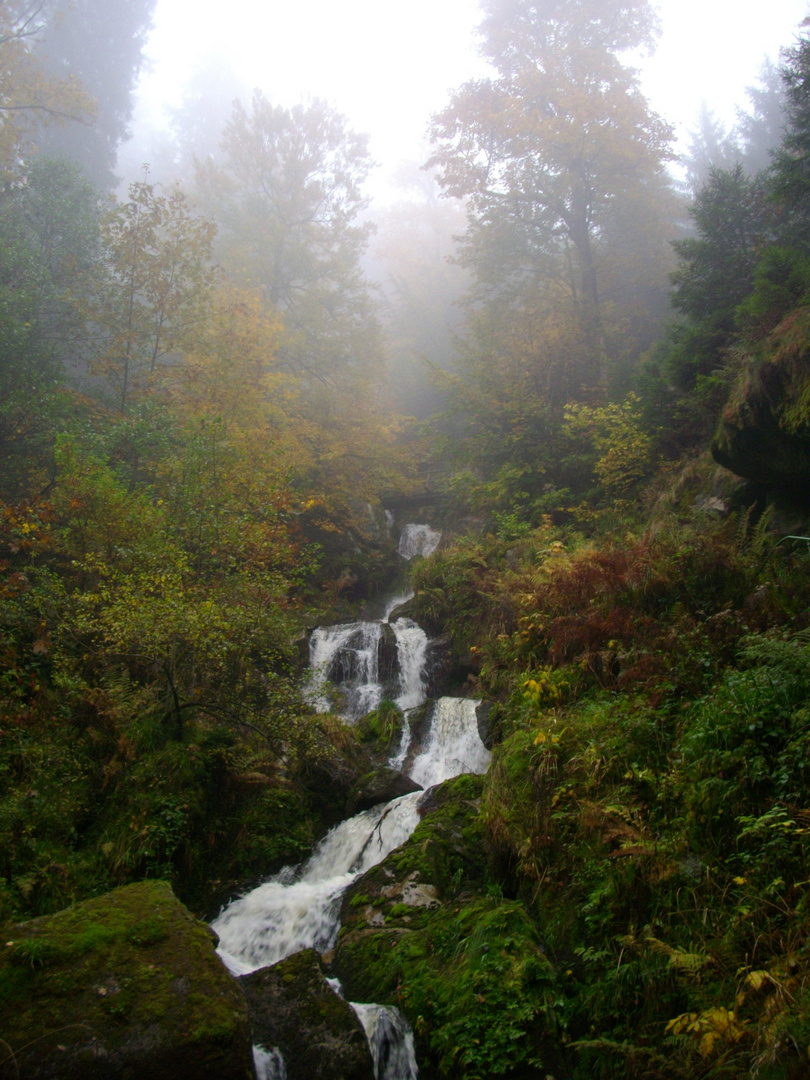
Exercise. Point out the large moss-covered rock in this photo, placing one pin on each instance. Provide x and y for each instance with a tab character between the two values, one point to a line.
764	431
294	1008
127	985
379	786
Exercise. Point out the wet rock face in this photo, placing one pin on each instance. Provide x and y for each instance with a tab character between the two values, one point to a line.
486	725
436	869
764	431
380	786
124	986
294	1008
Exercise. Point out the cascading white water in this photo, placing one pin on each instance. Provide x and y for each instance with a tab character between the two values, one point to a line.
412	644
298	907
453	745
390	1040
269	1064
418	540
347	654
396	601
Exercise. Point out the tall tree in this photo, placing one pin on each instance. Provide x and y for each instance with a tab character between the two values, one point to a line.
761	126
791	162
153	292
711	147
548	150
561	162
287	201
48	247
100	44
30	98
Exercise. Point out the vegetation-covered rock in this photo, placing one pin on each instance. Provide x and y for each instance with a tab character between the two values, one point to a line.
380	786
293	1007
764	430
126	985
467	969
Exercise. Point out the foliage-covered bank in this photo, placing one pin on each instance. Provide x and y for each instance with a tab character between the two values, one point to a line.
646	809
151	719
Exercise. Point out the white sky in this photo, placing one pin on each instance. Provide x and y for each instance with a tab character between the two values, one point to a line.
388	67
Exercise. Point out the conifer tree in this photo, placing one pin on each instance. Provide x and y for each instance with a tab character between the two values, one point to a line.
98	43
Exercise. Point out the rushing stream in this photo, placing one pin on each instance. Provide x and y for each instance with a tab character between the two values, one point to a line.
367	661
299	907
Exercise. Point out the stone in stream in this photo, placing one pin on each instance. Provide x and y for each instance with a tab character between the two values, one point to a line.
294	1008
380	786
127	985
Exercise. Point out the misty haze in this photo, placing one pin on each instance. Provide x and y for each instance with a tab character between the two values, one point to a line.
405	490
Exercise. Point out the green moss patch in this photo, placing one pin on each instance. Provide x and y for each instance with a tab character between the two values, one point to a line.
126	984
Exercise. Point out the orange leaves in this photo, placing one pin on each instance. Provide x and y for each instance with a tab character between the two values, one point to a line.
26	527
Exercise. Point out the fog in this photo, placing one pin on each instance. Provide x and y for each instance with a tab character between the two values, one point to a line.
388	68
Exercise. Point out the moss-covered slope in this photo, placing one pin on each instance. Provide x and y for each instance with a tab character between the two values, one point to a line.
124	986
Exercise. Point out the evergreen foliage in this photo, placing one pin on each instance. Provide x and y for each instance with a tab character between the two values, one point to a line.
98	44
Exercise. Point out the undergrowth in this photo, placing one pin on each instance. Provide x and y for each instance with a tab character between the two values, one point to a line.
649	802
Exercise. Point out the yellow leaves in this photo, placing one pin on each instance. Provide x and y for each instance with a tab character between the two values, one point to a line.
544	738
713	1029
27	96
767	992
549	688
755	980
625	451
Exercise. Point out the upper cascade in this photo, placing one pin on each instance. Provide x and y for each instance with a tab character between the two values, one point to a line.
418	540
368	661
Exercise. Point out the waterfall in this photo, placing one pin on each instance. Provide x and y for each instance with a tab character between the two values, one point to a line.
412	643
396	601
347	655
390	1040
418	540
453	745
269	1064
299	907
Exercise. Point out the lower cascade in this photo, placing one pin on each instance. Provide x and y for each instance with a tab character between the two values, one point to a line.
390	1040
299	907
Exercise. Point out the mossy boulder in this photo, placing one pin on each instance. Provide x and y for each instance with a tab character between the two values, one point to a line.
380	731
764	431
441	863
127	985
294	1008
379	786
